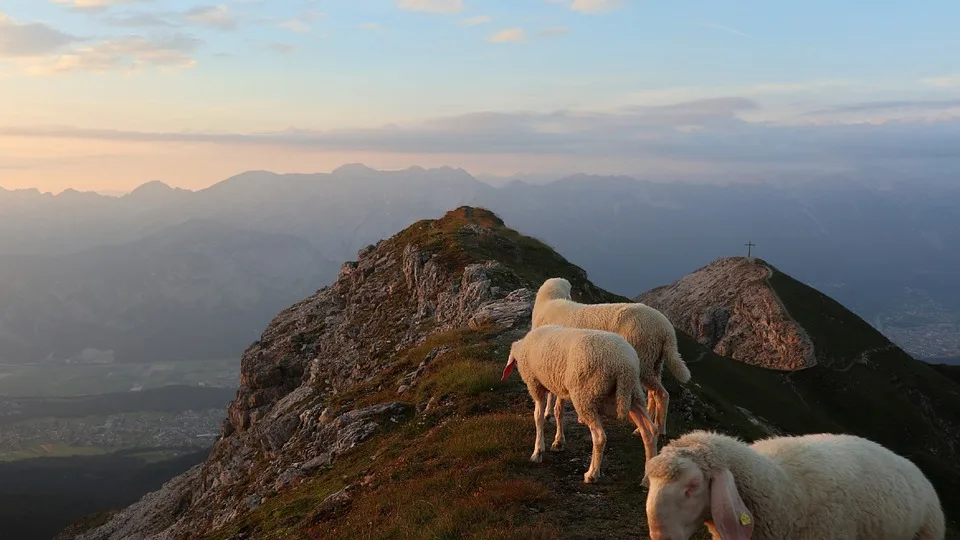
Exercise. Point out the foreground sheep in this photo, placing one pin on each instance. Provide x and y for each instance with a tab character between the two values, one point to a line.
596	370
820	487
646	329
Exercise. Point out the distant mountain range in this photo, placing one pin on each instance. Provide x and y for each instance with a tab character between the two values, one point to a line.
164	272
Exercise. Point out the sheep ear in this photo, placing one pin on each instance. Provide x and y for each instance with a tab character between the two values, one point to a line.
511	362
732	519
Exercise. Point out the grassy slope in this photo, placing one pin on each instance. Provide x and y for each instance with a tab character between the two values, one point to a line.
460	469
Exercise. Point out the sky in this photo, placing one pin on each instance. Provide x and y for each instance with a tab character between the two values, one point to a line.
110	94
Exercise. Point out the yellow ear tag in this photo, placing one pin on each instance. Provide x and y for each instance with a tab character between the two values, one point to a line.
745	519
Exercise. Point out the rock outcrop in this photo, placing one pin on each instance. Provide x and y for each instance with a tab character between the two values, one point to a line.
729	307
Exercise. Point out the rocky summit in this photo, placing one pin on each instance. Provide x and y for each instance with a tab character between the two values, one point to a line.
730	307
374	408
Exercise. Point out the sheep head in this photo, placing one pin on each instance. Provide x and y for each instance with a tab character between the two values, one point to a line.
554	288
682	497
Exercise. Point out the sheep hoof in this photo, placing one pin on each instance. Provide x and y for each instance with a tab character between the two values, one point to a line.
556	446
637	432
590	478
537	457
646	481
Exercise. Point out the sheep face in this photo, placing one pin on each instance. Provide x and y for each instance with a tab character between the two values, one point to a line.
682	497
678	504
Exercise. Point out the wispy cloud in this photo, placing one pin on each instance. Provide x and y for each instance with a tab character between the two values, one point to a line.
704	130
219	16
94	6
727	29
41	50
479	19
295	25
948	81
280	48
372	26
138	20
508	35
555	31
128	53
19	39
432	6
888	106
589	6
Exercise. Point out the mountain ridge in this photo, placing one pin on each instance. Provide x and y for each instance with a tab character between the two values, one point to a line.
392	422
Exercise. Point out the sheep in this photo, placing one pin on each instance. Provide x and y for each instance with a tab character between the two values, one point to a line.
649	332
596	370
824	486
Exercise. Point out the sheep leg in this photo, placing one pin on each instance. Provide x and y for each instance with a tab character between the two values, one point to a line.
539	409
662	404
549	405
647	431
653	406
599	437
559	440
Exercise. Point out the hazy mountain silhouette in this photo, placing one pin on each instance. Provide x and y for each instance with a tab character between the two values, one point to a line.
196	290
882	247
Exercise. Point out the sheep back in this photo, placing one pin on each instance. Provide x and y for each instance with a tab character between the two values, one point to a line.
577	362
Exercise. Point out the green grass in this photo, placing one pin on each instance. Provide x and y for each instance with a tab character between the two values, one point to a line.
451	473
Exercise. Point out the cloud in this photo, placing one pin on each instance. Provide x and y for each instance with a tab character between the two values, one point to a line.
479	19
313	15
295	25
555	31
724	28
949	81
128	53
281	48
138	20
702	131
372	26
219	16
481	132
94	6
432	6
18	40
887	106
508	35
589	6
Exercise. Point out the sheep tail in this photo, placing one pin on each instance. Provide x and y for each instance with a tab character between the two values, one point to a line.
625	391
676	365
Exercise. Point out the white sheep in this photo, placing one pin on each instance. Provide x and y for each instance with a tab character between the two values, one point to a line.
824	487
649	332
597	371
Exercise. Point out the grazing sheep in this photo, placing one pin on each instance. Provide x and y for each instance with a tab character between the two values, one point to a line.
596	370
824	487
645	328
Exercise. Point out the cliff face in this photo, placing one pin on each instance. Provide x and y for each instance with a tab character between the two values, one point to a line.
374	408
730	307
